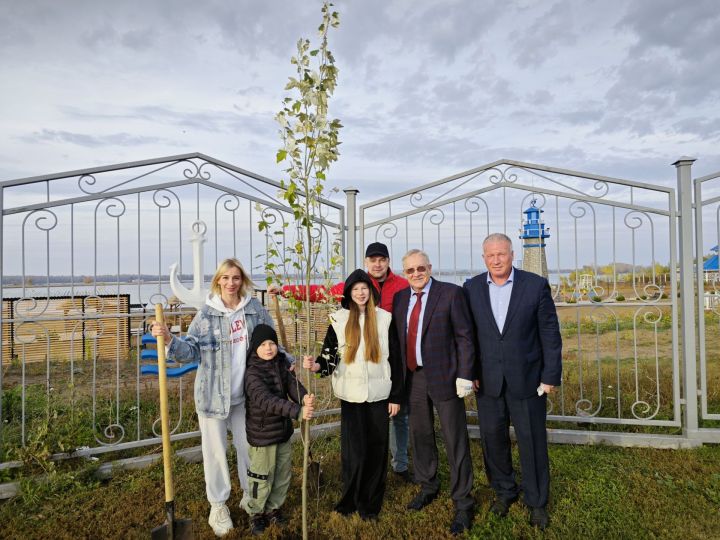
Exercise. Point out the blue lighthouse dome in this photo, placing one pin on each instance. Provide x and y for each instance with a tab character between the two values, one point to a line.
534	227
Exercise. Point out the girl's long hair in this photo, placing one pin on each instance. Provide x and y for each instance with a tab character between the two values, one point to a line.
370	333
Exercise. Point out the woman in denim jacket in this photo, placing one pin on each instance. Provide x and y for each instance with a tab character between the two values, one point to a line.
218	338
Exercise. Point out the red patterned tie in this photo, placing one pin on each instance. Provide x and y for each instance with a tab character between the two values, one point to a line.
413	332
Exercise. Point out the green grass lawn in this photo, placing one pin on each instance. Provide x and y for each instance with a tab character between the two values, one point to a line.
596	492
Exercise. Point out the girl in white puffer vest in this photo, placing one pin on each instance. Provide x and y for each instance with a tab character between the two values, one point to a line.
361	353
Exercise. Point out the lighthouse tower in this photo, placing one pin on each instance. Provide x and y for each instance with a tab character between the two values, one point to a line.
533	236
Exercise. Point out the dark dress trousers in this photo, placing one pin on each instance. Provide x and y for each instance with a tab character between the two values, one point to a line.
448	352
513	361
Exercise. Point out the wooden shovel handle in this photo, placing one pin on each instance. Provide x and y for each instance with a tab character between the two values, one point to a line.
281	323
164	415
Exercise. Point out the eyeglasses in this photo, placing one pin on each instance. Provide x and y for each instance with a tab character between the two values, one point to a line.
419	270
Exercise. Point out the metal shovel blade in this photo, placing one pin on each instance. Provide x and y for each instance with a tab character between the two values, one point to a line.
182	530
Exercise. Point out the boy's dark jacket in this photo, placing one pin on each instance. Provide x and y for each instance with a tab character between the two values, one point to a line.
269	412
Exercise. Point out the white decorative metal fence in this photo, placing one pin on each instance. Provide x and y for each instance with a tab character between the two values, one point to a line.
707	239
83	254
626	275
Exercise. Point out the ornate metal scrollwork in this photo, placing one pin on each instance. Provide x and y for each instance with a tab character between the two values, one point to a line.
114	208
577	209
472	204
387	230
416	200
501	175
641	408
163	198
652	291
109	432
435	217
200	172
44	220
86	180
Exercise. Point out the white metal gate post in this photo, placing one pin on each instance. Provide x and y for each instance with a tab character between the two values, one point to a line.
2	298
687	295
351	245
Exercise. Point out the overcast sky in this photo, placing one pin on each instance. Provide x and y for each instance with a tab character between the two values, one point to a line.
426	89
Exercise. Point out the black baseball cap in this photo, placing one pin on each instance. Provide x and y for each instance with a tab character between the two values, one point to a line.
377	249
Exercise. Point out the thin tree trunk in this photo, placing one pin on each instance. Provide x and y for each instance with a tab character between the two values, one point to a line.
308	380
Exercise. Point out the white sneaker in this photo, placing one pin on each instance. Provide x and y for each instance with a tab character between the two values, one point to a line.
219	519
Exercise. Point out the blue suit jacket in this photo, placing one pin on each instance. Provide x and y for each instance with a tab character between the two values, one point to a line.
528	350
448	347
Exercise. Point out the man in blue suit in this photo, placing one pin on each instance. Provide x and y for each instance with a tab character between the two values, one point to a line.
437	346
520	353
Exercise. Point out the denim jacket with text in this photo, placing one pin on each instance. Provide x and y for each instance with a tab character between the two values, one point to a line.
208	342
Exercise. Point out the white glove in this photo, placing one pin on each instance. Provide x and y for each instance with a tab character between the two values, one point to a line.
463	387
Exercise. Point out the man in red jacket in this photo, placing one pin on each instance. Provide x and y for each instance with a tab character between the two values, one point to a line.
377	265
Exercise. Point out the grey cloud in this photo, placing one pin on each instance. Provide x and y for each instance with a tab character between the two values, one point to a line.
449	28
428	30
581	117
635	124
656	87
675	53
99	37
546	35
688	28
699	126
251	91
645	82
208	121
138	40
253	27
502	92
107	36
91	141
541	97
584	113
448	90
12	35
435	84
447	149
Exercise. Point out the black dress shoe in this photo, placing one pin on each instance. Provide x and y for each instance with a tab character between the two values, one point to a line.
421	500
539	518
500	506
276	517
462	522
344	510
405	476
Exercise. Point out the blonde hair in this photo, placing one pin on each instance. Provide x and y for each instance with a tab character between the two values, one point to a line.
370	333
246	284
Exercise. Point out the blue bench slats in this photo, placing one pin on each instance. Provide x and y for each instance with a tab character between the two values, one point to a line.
148	354
152	369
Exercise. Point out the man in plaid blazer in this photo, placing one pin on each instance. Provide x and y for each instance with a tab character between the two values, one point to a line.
437	346
520	361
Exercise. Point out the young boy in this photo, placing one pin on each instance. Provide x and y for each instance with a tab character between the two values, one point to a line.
269	415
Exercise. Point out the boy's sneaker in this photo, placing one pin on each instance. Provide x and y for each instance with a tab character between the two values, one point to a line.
275	517
258	524
220	520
